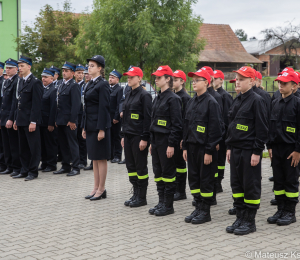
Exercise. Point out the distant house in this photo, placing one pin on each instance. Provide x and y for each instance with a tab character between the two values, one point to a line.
223	49
269	54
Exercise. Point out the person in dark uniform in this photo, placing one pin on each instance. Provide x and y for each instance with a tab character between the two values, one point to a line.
81	142
181	170
115	98
202	132
87	79
56	83
10	137
56	71
68	105
226	101
284	149
166	133
126	90
5	75
2	161
246	137
27	120
136	136
47	128
96	125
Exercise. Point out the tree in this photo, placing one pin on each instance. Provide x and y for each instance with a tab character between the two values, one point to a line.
241	34
51	40
288	38
144	33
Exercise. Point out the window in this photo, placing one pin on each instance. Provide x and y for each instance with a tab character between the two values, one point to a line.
0	11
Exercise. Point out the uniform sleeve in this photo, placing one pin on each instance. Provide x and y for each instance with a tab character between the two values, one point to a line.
37	95
104	107
185	101
176	122
297	146
261	127
185	127
269	144
147	107
76	102
13	112
214	129
119	97
53	107
227	101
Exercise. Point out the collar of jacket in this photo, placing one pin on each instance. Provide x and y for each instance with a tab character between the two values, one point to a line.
201	97
210	90
165	92
246	94
134	91
287	99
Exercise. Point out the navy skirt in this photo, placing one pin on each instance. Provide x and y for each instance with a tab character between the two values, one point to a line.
98	150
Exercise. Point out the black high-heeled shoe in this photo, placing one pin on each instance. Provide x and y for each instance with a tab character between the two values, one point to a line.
102	196
89	196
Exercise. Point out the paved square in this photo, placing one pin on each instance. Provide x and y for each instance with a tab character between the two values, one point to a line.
49	218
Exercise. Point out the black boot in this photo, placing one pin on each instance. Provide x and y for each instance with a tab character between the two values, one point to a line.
167	207
273	202
140	199
214	202
248	223
159	205
232	211
180	189
288	215
194	203
219	187
237	222
278	214
196	212
204	215
135	193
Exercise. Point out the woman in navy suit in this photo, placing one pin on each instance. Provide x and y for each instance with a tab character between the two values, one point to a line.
96	125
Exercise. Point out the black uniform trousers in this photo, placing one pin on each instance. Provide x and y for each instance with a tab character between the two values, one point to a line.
181	171
30	150
82	146
286	183
10	140
245	180
201	177
49	147
164	168
221	160
67	139
136	161
2	160
116	148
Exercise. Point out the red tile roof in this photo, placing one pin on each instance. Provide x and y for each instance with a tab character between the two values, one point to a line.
222	45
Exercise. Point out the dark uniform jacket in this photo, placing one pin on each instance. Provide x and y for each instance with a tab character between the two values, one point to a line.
49	106
81	88
9	100
1	83
185	98
68	103
30	94
166	116
96	106
125	91
285	122
275	95
266	97
203	123
248	124
115	98
226	101
137	113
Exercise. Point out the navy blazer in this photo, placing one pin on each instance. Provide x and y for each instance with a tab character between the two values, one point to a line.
68	103
30	95
96	115
49	106
9	100
115	99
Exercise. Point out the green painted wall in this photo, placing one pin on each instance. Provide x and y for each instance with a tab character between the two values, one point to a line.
9	26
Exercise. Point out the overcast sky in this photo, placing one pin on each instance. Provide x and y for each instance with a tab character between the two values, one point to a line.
252	16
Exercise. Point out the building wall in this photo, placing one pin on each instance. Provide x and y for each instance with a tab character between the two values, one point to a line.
10	26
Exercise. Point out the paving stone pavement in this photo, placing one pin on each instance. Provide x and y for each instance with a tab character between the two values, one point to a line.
48	218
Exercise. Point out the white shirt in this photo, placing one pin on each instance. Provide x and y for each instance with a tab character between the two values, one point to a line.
80	82
95	78
65	82
27	76
47	85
